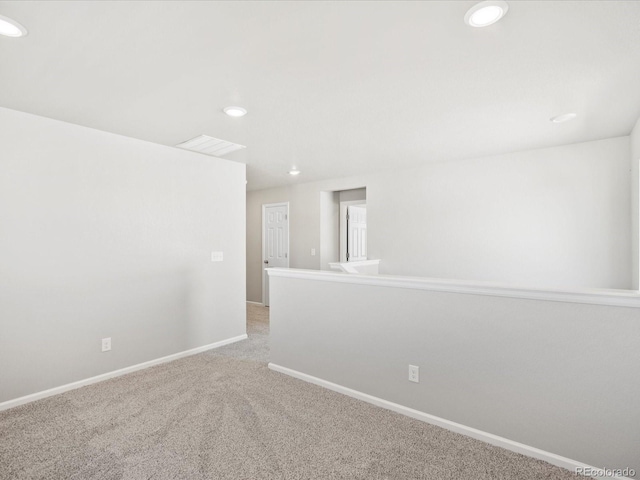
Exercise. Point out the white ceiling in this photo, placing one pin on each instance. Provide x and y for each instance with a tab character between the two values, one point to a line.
334	88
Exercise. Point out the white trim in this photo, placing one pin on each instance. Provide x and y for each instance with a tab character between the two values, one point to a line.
255	303
351	267
616	298
116	373
264	268
486	437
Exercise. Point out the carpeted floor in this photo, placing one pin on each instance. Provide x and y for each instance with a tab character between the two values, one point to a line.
223	415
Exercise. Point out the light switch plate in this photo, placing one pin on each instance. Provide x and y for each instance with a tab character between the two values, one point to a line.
217	256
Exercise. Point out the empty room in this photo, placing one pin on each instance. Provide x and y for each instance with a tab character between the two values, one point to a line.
319	240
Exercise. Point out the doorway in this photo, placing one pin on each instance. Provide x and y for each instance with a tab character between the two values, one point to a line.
275	242
335	238
356	233
353	231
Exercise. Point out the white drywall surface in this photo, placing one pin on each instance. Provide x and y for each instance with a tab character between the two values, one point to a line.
635	204
556	217
107	236
561	377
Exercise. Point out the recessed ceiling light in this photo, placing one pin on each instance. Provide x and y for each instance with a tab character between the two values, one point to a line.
563	118
486	13
235	111
11	28
295	171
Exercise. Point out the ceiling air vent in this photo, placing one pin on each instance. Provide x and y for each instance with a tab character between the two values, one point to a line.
210	146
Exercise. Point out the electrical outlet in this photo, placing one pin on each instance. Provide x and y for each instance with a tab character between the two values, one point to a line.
106	344
217	256
313	252
414	374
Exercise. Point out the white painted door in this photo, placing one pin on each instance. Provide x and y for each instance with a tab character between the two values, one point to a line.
356	233
275	242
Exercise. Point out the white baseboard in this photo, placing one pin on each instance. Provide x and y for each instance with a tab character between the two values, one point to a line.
505	443
255	303
116	373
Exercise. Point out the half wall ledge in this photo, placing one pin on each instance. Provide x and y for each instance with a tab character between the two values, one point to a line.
619	298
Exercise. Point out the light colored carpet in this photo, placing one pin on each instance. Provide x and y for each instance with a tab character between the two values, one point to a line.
224	415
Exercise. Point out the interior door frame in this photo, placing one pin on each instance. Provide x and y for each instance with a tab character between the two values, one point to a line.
343	225
264	243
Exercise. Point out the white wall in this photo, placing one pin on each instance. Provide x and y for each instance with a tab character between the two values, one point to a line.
635	204
106	236
330	228
561	377
353	195
555	217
